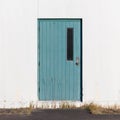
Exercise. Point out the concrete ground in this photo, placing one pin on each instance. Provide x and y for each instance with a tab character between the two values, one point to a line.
60	115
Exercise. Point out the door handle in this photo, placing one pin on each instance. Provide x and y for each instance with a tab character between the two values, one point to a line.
77	61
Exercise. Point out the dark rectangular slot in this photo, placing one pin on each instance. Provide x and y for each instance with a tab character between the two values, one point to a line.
69	43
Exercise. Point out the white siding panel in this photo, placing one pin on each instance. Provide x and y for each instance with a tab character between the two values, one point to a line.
18	46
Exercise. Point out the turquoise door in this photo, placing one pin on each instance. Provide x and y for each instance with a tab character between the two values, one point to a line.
60	59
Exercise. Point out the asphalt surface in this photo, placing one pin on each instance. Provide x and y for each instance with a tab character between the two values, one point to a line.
60	115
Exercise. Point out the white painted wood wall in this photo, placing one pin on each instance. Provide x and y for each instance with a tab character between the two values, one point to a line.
18	47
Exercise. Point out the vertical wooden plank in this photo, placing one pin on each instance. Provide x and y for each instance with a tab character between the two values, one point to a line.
77	51
48	76
62	58
67	64
52	58
41	61
58	67
47	61
71	65
44	60
38	59
52	62
75	67
54	90
41	91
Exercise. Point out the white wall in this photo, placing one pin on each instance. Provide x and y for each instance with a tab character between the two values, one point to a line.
18	46
18	51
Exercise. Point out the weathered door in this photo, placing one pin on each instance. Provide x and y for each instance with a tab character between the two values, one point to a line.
59	59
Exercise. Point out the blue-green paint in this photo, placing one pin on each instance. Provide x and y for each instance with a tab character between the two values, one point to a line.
58	78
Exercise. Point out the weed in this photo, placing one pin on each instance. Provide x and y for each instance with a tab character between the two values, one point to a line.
66	105
98	109
19	111
93	108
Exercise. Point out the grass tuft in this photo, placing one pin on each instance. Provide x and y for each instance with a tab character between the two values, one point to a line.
66	105
19	111
97	109
93	108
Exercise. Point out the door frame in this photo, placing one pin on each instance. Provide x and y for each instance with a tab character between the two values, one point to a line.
38	54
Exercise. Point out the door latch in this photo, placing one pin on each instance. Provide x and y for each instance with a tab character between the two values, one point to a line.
77	61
